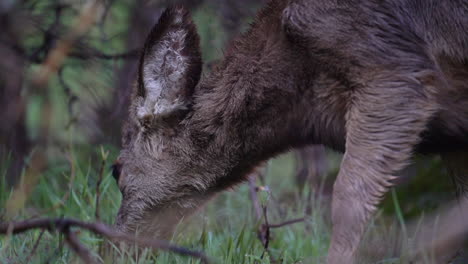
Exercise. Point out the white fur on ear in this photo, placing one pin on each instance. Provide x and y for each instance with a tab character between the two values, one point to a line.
163	72
170	67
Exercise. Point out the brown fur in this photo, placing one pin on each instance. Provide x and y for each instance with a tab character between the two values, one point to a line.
376	79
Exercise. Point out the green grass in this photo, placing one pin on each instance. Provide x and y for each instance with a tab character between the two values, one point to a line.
225	229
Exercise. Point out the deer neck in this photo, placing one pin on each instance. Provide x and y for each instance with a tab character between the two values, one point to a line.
248	110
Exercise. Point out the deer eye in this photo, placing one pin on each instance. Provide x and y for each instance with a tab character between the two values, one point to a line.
116	168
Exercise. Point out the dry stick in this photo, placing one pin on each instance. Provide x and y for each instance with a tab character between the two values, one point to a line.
98	189
286	223
96	54
264	234
63	226
74	243
264	231
36	244
254	197
72	98
55	58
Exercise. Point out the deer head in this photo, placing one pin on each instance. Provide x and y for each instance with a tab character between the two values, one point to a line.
148	170
186	140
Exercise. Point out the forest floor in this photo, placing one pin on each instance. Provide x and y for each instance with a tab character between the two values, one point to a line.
226	229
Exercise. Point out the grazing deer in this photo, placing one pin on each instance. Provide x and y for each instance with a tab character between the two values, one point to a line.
378	80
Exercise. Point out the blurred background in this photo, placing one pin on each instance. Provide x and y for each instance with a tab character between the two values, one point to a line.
66	72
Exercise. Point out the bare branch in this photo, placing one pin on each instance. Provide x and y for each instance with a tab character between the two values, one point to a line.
75	244
96	54
286	223
55	57
63	225
36	244
49	35
264	231
254	197
72	98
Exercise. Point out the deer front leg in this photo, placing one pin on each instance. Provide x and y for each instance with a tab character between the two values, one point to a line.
383	126
311	165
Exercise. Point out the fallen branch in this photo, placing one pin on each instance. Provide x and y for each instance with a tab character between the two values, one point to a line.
75	244
289	222
64	225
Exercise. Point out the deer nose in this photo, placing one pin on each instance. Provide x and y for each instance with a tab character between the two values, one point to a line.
116	170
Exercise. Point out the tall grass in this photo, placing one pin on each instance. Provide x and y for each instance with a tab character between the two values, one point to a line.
225	229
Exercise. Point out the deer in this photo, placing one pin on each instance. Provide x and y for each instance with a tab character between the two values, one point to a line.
380	81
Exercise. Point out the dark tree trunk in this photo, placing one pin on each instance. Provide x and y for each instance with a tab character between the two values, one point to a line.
14	141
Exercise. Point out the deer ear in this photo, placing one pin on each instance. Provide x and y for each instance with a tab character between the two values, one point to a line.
170	66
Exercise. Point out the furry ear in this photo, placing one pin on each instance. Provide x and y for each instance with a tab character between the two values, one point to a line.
170	66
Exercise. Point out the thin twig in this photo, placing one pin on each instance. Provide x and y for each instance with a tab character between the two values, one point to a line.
98	188
289	222
254	197
75	244
104	155
264	232
36	244
96	54
72	98
86	53
64	224
49	35
56	57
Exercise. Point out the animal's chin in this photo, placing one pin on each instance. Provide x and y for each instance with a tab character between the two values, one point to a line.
161	223
150	228
158	223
